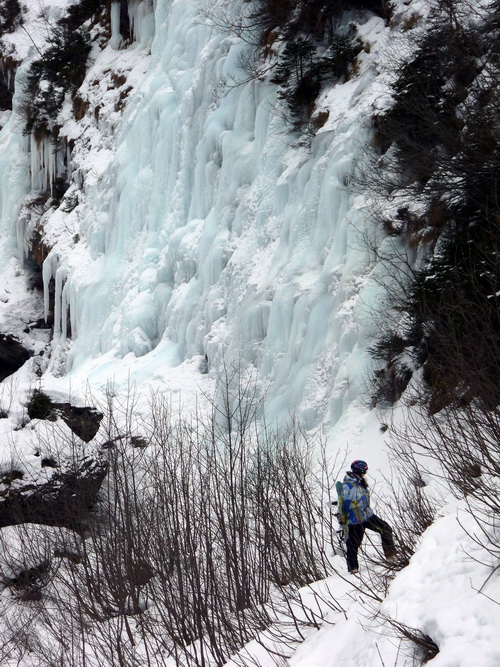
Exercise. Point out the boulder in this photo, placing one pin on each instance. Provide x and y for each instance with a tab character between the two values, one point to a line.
66	500
12	355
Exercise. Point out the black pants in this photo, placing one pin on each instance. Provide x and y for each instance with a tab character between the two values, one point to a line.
355	537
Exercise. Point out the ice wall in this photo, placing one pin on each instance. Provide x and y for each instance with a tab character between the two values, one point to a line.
210	235
14	178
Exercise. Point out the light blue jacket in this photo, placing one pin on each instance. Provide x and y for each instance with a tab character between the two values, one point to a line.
356	501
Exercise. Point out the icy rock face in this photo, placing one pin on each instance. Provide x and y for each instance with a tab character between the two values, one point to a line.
203	230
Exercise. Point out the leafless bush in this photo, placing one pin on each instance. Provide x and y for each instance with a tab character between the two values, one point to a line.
412	506
464	442
417	645
202	539
454	418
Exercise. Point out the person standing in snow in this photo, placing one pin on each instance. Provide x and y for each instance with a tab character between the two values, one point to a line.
359	516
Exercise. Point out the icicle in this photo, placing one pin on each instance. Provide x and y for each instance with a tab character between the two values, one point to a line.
42	161
132	15
59	305
69	166
47	163
64	311
142	23
72	305
116	38
47	275
35	162
51	172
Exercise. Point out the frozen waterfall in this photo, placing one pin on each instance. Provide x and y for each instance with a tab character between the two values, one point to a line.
204	235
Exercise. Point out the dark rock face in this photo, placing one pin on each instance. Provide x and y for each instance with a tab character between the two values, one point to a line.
66	500
12	355
84	422
5	95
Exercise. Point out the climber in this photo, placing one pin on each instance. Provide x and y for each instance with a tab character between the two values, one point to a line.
356	512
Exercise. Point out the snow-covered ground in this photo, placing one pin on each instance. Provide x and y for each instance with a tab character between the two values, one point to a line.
203	236
444	592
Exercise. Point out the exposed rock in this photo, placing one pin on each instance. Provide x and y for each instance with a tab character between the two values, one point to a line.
8	477
12	355
69	555
84	422
66	500
49	462
139	442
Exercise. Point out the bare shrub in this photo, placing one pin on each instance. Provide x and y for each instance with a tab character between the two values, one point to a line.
202	540
417	645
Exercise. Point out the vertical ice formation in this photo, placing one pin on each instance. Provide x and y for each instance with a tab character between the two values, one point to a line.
14	177
48	161
141	20
142	24
210	229
116	38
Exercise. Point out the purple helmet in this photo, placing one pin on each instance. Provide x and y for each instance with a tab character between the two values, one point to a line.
359	467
